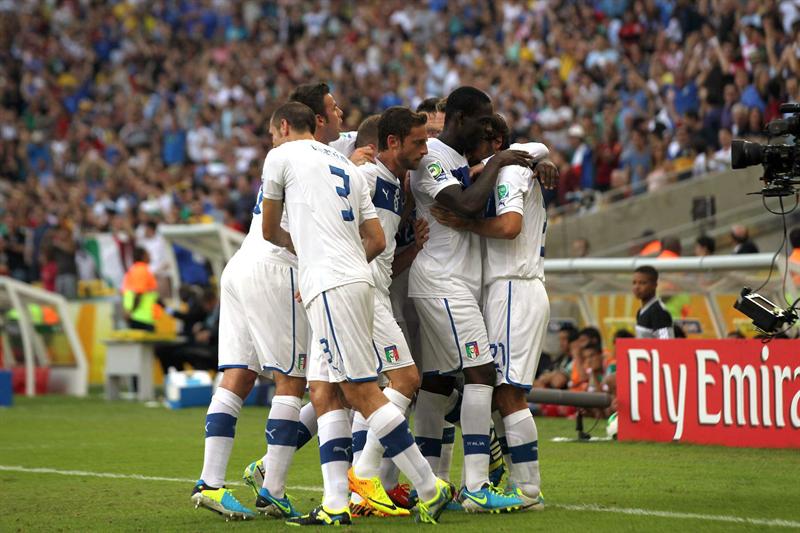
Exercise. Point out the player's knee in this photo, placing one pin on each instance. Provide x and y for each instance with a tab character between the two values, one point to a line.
289	385
405	380
239	381
324	397
509	399
480	375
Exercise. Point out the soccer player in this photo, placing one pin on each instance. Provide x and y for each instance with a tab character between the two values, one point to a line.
433	107
445	283
653	321
516	307
401	140
262	328
335	230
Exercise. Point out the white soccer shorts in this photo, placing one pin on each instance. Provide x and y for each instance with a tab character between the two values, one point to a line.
453	335
405	314
516	313
341	343
391	348
261	326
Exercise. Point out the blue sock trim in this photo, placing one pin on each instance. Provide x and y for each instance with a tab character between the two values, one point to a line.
303	435
449	435
220	425
475	444
359	440
280	432
340	449
398	440
429	447
525	453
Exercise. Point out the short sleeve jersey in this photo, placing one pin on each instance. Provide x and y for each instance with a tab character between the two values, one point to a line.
517	191
326	200
449	265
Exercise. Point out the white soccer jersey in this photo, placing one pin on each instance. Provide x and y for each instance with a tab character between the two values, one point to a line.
254	244
517	191
346	143
449	265
326	201
384	189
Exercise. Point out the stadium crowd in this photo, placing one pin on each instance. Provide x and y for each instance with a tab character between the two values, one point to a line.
118	115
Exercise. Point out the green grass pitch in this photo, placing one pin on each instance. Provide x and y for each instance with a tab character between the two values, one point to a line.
605	486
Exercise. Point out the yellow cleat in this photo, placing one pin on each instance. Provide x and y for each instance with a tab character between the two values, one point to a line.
374	494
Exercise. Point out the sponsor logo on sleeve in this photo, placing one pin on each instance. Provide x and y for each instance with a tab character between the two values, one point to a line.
502	194
436	171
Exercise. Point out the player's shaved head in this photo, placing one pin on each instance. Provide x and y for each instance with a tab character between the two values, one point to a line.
299	116
368	131
466	101
397	121
312	95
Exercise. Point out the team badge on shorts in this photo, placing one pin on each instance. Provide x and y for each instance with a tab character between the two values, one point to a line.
472	350
302	360
391	354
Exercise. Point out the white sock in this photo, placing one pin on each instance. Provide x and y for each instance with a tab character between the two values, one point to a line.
476	415
500	431
220	429
523	446
368	464
281	432
429	425
308	425
453	413
335	453
391	428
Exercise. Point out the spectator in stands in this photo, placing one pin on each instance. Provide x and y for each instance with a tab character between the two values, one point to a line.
14	248
64	248
557	376
582	162
200	329
580	247
741	236
704	245
637	160
670	247
722	157
651	246
653	321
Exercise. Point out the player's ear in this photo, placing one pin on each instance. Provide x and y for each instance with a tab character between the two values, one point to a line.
285	127
393	142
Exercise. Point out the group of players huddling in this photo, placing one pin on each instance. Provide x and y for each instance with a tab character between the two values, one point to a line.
307	297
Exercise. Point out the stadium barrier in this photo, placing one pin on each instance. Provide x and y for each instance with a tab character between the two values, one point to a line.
731	392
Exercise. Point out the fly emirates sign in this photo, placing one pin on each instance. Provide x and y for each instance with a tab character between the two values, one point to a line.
730	392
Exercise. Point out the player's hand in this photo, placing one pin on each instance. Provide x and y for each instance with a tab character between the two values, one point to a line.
365	154
511	157
448	218
297	297
421	233
547	171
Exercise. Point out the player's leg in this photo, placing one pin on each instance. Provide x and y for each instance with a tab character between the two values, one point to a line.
451	418
519	316
240	366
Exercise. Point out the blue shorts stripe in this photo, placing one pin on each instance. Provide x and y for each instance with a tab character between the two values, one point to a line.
281	432
429	447
455	335
333	333
220	425
336	450
359	440
525	453
303	435
294	324
225	367
397	440
475	444
449	435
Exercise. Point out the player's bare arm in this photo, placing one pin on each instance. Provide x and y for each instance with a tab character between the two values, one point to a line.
472	200
372	238
403	260
271	224
506	226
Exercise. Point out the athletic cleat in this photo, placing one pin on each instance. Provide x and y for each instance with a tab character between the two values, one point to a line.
268	504
400	494
496	473
528	503
496	462
254	476
490	499
454	506
360	510
220	500
374	494
322	517
430	511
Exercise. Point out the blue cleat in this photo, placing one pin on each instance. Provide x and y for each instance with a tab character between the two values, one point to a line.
268	504
220	500
490	499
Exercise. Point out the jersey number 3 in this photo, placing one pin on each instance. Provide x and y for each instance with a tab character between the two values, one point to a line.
344	191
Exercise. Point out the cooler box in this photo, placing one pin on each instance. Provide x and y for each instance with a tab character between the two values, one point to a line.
6	392
188	389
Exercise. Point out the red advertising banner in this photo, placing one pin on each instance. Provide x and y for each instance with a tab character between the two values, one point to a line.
730	391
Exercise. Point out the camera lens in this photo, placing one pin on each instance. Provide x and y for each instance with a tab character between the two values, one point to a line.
746	154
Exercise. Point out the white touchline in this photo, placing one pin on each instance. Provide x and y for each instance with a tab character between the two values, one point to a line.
774	522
